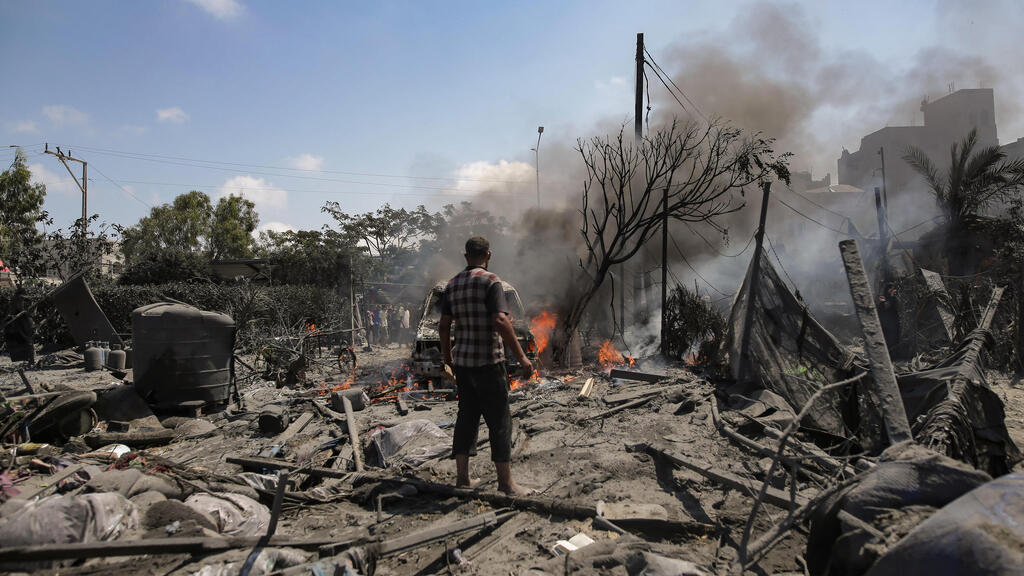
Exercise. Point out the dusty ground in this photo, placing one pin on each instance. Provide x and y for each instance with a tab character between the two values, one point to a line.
558	452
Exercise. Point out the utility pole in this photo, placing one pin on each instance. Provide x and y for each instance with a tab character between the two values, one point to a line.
536	152
83	185
638	138
885	194
752	288
883	234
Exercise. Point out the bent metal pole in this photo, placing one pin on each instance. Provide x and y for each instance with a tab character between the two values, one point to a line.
885	392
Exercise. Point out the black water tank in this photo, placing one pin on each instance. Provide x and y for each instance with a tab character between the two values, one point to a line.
181	353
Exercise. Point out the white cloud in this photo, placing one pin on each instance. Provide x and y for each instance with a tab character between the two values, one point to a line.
56	183
614	83
487	178
274	227
266	197
306	162
173	115
61	114
220	9
25	127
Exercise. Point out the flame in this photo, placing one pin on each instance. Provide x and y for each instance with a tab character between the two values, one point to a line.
542	326
517	382
609	357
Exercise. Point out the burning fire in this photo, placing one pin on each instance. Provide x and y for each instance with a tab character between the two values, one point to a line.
543	325
517	382
609	357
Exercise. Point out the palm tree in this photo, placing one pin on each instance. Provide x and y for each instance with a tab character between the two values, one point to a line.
974	181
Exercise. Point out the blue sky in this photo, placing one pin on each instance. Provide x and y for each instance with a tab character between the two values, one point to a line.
296	103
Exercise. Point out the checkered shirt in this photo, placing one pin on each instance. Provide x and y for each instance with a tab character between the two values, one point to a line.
477	343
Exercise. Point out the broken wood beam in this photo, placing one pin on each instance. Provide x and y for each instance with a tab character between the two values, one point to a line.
774	496
633	395
789	460
620	407
353	434
884	391
401	405
555	506
172	545
258	463
51	482
640	376
135	439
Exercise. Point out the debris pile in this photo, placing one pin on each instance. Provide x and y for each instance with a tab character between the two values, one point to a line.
805	455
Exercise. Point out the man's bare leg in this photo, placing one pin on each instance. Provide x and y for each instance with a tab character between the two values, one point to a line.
462	479
505	482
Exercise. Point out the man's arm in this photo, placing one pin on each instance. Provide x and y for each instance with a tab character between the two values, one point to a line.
445	331
508	334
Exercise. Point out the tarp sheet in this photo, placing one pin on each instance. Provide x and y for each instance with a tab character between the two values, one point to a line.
790	352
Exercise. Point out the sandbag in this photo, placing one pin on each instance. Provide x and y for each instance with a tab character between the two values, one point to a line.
979	534
66	519
409	443
235	514
853	528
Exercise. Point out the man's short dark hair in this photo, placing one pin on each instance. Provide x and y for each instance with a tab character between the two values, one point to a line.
477	246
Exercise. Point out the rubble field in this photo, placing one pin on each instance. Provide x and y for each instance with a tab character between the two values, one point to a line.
621	466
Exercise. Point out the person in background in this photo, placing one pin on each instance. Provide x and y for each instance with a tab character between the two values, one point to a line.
406	331
385	334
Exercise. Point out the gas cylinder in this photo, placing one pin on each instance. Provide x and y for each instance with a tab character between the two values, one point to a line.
93	357
116	357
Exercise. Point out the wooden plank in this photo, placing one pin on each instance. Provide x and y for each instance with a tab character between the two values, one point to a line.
51	482
173	545
254	462
632	395
633	375
773	496
587	389
619	408
884	392
353	434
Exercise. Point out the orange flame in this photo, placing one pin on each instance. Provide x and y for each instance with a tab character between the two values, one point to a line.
517	382
609	357
542	326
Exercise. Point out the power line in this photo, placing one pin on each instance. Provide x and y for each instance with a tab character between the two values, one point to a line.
123	189
783	202
781	265
279	175
653	61
142	156
690	266
442	194
673	94
830	211
706	241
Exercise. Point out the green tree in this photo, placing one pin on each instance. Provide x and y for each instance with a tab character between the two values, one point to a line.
973	182
191	224
21	210
234	221
387	233
319	257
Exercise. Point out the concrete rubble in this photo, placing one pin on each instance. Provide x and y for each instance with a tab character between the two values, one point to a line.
796	464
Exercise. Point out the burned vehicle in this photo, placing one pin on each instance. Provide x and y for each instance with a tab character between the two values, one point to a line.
426	354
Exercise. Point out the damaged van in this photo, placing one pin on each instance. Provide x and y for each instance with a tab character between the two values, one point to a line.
426	353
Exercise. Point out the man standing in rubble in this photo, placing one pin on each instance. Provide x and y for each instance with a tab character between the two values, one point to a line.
475	301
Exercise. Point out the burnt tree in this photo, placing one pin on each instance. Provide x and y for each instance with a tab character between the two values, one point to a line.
698	167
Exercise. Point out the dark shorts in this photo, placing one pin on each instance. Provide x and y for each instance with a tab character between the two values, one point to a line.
483	392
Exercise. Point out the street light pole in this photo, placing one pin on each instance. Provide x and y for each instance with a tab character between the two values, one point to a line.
536	161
